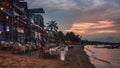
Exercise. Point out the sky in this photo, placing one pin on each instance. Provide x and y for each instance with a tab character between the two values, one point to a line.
91	19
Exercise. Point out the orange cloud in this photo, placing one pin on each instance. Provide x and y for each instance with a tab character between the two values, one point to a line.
88	28
104	24
107	31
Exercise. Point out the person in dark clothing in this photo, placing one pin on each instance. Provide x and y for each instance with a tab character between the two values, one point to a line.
43	43
35	41
82	45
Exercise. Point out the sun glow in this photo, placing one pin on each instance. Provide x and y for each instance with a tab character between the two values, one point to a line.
89	28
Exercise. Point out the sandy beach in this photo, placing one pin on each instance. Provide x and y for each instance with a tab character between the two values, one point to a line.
76	58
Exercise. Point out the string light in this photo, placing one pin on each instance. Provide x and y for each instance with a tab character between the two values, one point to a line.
1	8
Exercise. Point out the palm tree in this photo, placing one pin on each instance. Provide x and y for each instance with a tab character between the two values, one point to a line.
52	29
52	25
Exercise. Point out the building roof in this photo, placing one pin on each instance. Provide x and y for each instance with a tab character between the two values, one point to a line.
37	10
23	4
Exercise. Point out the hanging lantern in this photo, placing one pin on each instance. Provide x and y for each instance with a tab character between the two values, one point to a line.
7	17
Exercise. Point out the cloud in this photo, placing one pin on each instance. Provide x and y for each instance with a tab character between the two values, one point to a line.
96	28
63	11
107	31
82	10
102	12
86	17
54	4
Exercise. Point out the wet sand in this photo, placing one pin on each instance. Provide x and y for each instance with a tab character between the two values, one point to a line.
76	58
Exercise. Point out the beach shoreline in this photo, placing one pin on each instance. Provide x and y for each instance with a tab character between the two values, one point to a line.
75	58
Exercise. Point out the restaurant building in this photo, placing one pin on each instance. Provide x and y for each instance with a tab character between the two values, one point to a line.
18	23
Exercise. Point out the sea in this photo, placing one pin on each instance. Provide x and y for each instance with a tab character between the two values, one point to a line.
103	57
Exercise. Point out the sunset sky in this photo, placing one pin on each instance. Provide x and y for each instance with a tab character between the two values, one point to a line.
93	19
